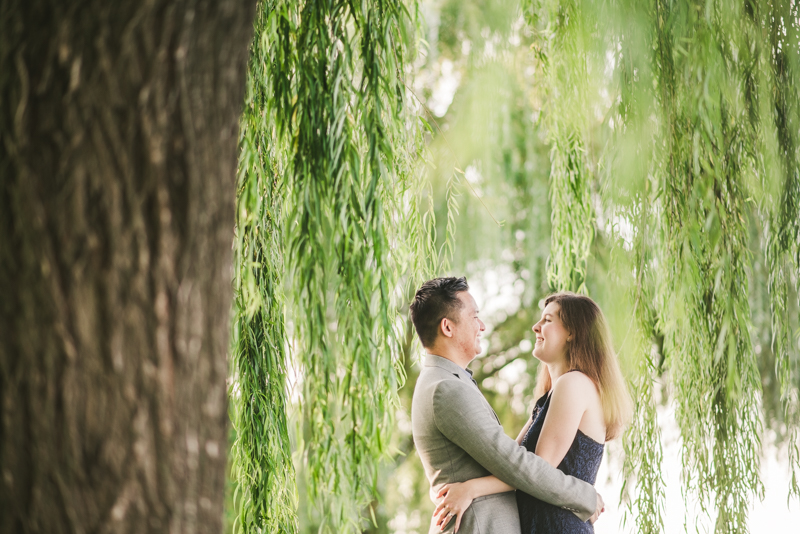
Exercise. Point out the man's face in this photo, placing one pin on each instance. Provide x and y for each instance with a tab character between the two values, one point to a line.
467	332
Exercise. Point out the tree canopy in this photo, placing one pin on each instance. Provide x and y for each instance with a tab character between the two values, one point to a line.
642	152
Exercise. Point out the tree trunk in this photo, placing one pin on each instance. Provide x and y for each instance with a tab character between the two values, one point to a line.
118	126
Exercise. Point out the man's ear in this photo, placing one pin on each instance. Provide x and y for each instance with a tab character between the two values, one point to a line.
446	326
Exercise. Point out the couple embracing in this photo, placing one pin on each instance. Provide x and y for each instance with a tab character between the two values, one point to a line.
482	480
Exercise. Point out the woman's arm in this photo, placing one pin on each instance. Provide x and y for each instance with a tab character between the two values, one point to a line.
458	496
567	406
460	416
478	487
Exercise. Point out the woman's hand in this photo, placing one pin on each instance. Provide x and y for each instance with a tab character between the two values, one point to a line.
455	499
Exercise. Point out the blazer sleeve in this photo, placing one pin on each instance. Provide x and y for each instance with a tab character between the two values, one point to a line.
459	414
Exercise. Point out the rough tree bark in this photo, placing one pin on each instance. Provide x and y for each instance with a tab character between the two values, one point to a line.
118	134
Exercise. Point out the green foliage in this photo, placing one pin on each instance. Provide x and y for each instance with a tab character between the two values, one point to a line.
642	442
783	213
571	213
322	200
691	142
562	51
348	111
705	312
653	144
265	498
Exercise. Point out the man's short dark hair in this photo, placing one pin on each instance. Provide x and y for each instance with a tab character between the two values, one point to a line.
435	300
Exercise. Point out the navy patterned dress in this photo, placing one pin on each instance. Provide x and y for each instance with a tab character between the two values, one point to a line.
582	461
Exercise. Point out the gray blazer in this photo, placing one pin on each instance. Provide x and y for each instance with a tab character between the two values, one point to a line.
459	437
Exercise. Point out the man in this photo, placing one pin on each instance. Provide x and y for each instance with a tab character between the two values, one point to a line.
457	434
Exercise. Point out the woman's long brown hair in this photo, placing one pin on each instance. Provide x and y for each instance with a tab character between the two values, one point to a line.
590	352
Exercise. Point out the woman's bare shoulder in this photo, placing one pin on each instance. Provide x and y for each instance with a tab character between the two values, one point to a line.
576	385
574	380
580	393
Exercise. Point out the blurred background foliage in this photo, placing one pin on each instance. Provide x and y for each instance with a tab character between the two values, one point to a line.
644	153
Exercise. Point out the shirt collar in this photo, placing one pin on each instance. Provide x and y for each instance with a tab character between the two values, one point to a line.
431	360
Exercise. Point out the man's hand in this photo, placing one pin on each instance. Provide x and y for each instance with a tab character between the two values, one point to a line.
601	507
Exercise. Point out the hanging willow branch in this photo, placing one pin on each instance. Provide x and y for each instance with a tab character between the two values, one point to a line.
633	170
563	54
706	313
262	464
265	499
323	204
334	210
642	442
691	78
348	100
783	208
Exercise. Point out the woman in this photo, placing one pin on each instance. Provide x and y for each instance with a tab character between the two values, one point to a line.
582	403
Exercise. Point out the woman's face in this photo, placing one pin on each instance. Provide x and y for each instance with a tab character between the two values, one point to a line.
551	336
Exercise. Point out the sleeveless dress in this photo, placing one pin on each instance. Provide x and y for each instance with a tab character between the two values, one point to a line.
582	461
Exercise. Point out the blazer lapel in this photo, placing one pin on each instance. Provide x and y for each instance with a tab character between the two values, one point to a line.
462	374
